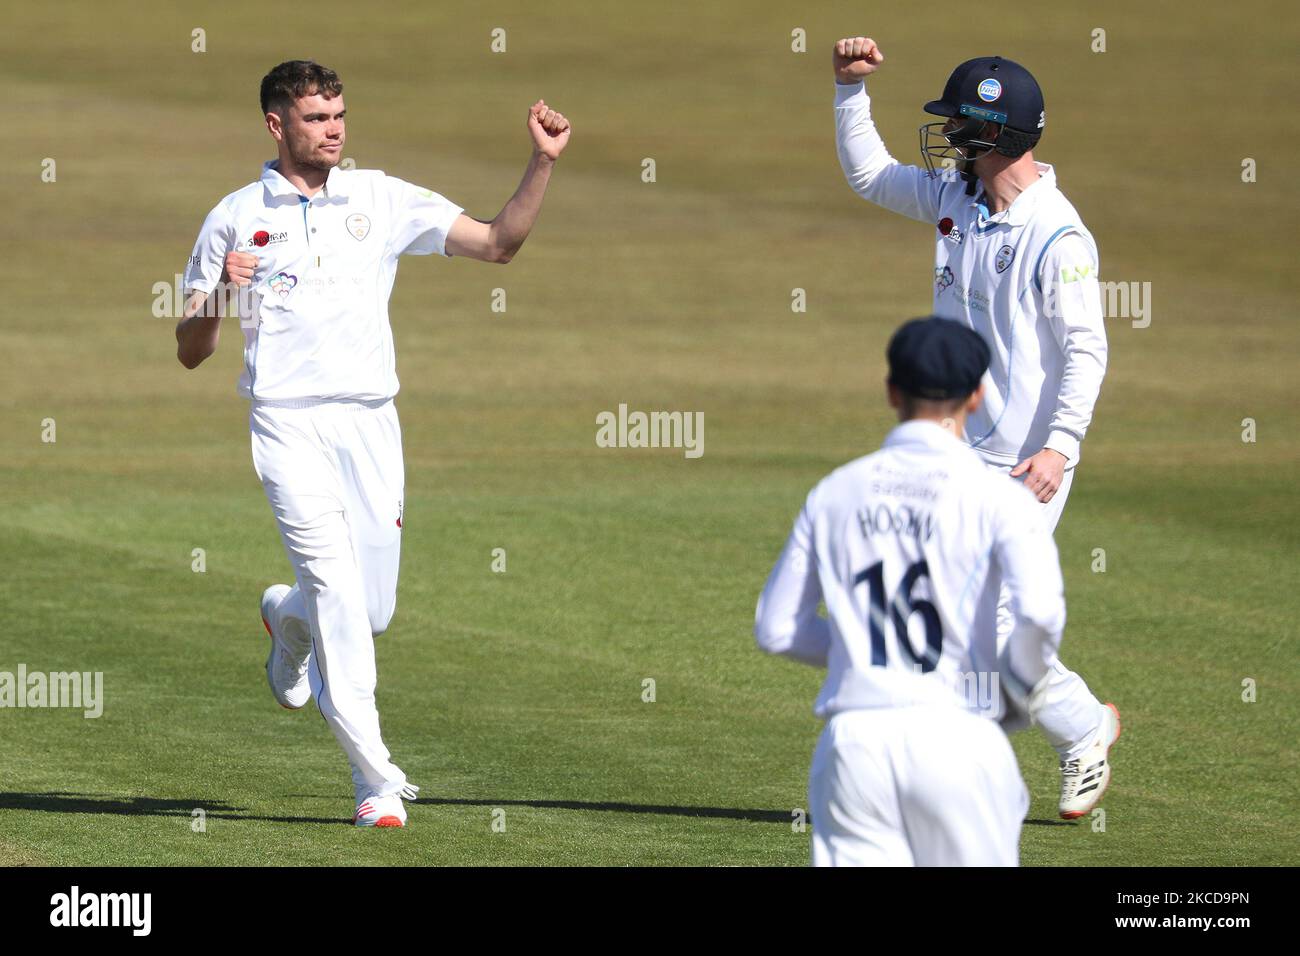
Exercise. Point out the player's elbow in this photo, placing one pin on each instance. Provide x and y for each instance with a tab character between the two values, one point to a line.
1043	612
774	634
863	178
772	640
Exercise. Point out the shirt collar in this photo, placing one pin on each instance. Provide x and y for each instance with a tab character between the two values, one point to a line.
922	432
1022	207
277	186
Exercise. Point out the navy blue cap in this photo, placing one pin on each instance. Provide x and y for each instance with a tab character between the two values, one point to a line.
937	358
994	89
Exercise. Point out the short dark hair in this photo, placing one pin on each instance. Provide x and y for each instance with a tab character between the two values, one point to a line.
295	78
913	406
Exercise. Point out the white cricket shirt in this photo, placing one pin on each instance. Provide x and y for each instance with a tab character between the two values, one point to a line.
1026	279
908	547
316	325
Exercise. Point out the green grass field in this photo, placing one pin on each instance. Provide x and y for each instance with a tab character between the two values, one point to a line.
522	692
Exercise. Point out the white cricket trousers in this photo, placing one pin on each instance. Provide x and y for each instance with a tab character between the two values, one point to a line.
334	475
915	786
1071	715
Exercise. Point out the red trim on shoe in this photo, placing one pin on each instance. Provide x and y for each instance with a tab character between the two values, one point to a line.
1119	725
1119	729
389	821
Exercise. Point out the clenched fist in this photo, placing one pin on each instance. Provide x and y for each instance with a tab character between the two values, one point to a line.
550	130
239	268
855	58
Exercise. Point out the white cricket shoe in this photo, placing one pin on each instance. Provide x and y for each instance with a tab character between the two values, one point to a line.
384	811
1085	779
286	665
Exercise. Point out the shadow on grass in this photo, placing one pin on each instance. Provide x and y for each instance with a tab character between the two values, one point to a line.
141	807
718	813
61	802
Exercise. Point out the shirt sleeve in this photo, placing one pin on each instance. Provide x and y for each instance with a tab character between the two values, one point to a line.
1072	302
874	174
786	621
1030	569
208	258
421	219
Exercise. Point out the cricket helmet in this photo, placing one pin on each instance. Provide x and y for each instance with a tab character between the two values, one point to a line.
987	89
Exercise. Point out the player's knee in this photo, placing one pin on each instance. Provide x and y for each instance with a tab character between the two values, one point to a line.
382	616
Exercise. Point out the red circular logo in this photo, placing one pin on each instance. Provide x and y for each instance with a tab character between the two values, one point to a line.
263	237
945	226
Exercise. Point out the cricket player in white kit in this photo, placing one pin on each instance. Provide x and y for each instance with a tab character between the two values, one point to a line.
313	250
908	548
1014	262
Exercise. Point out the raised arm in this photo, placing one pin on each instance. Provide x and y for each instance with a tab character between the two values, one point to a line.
499	239
874	174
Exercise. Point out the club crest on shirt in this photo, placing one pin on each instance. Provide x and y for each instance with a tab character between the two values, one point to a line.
1005	255
282	283
358	226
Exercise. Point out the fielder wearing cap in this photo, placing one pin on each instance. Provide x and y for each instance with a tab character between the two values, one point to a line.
1015	263
312	250
909	548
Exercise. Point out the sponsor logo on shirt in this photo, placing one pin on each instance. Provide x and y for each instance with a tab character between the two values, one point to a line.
358	226
1076	273
972	299
942	278
263	238
282	283
1005	255
989	90
949	231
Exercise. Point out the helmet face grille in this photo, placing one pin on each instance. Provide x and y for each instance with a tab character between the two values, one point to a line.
954	149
